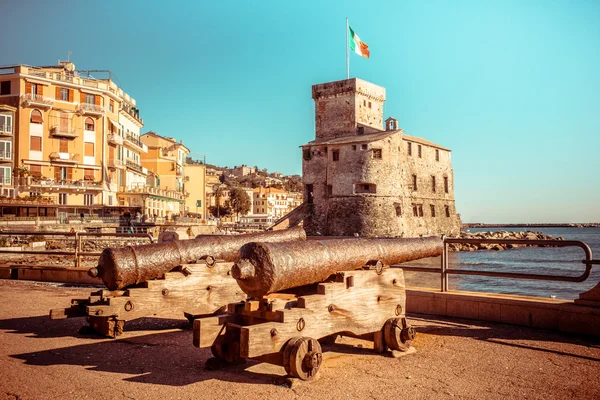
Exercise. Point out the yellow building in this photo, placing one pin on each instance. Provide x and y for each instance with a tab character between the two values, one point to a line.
165	159
75	138
270	201
195	187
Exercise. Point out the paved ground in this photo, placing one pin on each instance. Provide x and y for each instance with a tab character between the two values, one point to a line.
155	359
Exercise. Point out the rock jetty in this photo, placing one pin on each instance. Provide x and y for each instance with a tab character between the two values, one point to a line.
529	235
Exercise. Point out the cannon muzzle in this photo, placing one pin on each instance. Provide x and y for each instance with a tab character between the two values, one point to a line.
264	268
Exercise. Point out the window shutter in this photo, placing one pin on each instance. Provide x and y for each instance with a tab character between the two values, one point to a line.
71	95
57	173
82	98
97	100
28	87
57	91
40	89
70	174
36	117
64	146
64	122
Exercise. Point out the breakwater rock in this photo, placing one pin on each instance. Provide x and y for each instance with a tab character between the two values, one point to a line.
528	235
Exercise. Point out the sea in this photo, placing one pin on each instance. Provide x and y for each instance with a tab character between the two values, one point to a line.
534	260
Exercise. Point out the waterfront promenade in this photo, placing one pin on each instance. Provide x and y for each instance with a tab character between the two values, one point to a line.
154	358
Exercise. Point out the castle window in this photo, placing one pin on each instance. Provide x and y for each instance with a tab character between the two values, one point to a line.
446	184
329	190
420	154
306	154
369	104
417	210
377	154
398	210
360	130
437	155
335	155
364	103
432	210
353	147
409	148
364	146
433	183
414	183
365	188
447	209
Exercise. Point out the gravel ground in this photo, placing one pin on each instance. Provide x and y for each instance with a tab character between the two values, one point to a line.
155	359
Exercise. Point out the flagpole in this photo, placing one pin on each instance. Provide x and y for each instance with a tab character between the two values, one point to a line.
347	58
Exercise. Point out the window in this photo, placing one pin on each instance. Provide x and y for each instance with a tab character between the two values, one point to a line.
409	148
364	146
5	149
111	106
64	94
309	193
35	170
377	154
88	174
364	103
369	104
4	87
36	89
88	199
446	184
110	200
414	183
447	210
89	124
353	147
437	155
63	121
35	143
335	154
360	130
306	154
419	150
62	198
432	210
329	190
398	210
90	98
63	146
365	188
418	210
433	183
36	117
88	149
5	123
5	175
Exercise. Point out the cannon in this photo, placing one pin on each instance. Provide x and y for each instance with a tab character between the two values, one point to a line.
124	266
188	276
304	292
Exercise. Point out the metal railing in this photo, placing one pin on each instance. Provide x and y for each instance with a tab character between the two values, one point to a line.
66	183
445	271
90	107
77	253
36	98
133	165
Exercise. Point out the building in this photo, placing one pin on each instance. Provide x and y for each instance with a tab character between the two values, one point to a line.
70	137
195	185
165	159
270	201
242	170
363	178
7	165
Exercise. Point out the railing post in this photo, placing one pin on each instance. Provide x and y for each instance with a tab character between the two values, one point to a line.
77	249
444	266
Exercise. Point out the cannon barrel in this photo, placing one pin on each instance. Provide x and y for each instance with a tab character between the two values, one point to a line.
264	268
119	267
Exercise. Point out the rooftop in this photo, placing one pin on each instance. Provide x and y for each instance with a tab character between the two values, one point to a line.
373	137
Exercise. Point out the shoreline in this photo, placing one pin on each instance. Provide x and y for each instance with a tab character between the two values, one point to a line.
533	225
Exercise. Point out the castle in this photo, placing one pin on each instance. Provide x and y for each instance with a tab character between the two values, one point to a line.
363	178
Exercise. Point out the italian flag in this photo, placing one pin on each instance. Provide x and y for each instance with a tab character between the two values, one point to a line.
358	46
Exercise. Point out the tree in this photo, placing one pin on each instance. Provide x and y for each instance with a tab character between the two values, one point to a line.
220	211
239	201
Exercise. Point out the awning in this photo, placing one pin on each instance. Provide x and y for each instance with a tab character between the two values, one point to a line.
115	123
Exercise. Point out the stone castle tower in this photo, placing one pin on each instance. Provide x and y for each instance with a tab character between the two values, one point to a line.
363	178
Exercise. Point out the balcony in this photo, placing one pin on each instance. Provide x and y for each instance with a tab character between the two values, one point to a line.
5	155
36	100
133	165
135	143
115	139
133	115
47	184
114	164
90	109
67	132
143	189
5	181
64	157
6	129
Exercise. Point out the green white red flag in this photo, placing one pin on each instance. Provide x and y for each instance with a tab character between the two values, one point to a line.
357	45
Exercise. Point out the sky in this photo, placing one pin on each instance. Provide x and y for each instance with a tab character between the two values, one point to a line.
511	86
